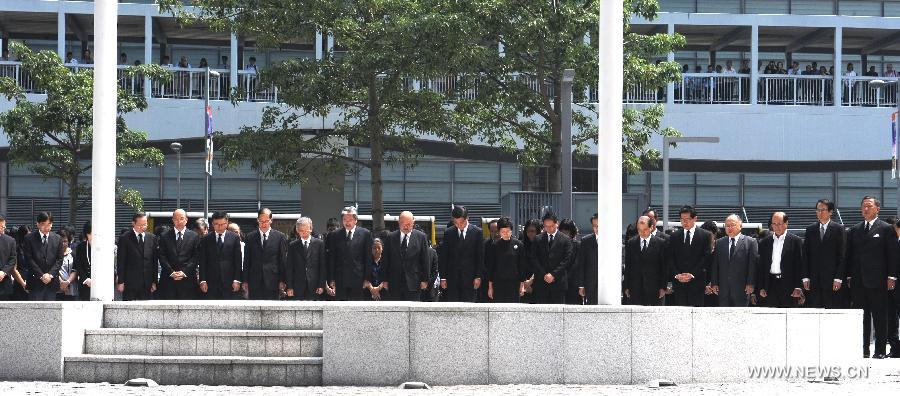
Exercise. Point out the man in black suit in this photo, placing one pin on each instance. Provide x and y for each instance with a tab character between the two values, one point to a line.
588	264
406	270
7	261
264	253
551	260
824	250
44	254
872	272
219	261
780	265
651	213
81	263
349	257
734	265
304	269
137	258
645	266
178	260
462	258
689	260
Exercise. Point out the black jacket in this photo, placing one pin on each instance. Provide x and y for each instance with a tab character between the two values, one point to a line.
506	261
824	259
462	261
587	258
349	260
694	259
219	268
7	263
264	266
791	261
136	265
871	257
556	260
646	271
406	269
304	269
174	257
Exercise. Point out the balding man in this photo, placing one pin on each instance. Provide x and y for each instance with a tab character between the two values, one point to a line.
645	266
406	272
178	260
734	264
781	265
305	266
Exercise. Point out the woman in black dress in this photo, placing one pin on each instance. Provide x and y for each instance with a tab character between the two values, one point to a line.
506	262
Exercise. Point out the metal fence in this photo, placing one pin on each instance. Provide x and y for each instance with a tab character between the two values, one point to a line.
858	92
795	90
522	206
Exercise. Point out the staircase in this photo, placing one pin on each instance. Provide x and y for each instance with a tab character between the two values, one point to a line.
203	342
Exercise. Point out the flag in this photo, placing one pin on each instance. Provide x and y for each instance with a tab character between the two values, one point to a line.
209	141
894	145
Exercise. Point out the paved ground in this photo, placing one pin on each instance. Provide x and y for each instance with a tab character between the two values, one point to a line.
884	379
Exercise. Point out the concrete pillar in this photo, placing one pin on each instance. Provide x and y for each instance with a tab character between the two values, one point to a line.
838	45
670	87
320	201
319	55
103	171
148	52
232	63
330	43
754	64
61	34
863	64
609	169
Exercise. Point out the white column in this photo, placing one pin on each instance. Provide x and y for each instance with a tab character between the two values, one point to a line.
670	87
319	55
103	171
148	52
501	49
838	68
330	42
609	153
233	62
587	88
61	35
754	64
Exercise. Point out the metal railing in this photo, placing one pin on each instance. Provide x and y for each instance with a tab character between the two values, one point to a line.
713	88
778	89
857	92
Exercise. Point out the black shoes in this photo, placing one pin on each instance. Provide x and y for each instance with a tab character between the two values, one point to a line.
878	356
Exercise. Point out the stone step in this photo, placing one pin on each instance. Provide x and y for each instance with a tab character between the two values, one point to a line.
201	342
195	370
235	315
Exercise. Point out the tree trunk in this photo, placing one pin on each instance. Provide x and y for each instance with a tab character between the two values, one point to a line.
73	201
376	157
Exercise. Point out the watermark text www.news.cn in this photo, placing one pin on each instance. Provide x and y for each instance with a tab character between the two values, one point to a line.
808	372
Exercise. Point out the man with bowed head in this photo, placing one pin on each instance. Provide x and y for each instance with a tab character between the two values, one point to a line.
734	266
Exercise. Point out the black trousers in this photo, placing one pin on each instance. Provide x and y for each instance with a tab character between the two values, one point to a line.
778	295
185	289
640	296
221	293
133	293
348	293
459	292
506	291
547	294
262	293
822	295
688	294
590	295
84	292
892	322
733	297
873	302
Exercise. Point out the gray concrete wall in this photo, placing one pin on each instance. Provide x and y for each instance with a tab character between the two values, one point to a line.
449	344
36	337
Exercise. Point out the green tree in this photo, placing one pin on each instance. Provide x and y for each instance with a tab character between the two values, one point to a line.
388	43
52	137
517	107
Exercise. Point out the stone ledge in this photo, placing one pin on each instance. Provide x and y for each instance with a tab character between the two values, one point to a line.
195	359
204	332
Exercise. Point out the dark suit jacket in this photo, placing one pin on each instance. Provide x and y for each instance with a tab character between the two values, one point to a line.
219	268
136	266
587	256
44	259
736	273
646	271
406	271
462	261
304	270
871	257
791	261
7	263
556	260
694	259
506	261
349	261
173	259
264	267
81	263
824	259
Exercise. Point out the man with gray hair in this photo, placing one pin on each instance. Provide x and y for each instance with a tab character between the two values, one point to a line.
734	265
349	253
305	265
407	271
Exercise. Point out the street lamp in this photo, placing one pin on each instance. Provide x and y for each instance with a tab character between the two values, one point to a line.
176	147
668	141
877	84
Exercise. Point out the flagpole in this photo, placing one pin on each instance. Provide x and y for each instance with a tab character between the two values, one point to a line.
206	131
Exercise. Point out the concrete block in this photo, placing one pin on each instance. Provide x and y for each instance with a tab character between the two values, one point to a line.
205	346
449	347
525	346
802	339
348	330
840	338
728	342
222	345
661	345
597	348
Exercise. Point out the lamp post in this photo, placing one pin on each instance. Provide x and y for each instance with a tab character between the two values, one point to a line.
877	84
565	99
667	141
176	147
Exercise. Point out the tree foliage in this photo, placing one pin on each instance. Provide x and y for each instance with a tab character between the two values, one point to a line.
53	137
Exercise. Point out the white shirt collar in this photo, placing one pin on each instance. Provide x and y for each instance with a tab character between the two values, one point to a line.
182	231
136	233
266	233
824	224
47	235
222	235
352	230
779	238
307	239
646	239
554	234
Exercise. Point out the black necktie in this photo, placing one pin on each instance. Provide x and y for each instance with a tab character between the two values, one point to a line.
867	227
822	232
220	241
550	241
643	244
44	242
349	235
141	239
687	238
178	240
265	237
731	252
460	234
305	244
403	245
